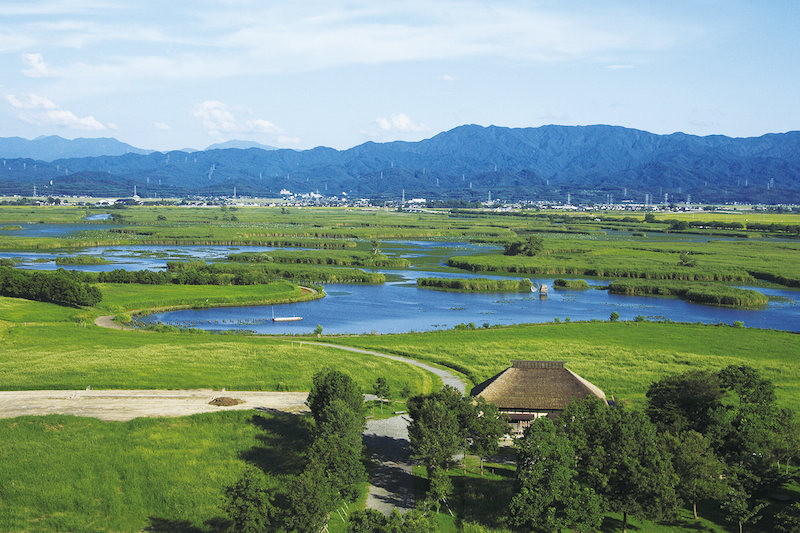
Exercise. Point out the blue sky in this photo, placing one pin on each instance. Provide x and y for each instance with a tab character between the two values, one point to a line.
306	73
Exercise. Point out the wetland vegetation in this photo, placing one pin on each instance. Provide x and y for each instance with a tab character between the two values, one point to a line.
80	474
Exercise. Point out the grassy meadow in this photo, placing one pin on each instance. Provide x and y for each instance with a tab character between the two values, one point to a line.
67	355
622	358
65	473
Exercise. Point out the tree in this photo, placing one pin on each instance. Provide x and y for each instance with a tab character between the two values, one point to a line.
439	489
434	432
531	246
699	470
546	490
381	390
748	384
337	448
329	385
684	402
614	316
248	503
788	520
485	429
311	499
741	508
617	454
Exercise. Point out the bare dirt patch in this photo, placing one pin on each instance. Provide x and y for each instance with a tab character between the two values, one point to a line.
122	405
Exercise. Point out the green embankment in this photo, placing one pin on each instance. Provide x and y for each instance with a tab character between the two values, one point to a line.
475	284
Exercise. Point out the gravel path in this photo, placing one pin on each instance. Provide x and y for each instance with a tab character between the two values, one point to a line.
391	486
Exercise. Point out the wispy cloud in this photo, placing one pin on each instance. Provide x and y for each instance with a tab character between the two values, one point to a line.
399	122
50	114
619	67
447	77
218	119
38	68
161	126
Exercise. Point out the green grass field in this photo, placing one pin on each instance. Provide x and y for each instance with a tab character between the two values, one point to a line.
621	358
64	473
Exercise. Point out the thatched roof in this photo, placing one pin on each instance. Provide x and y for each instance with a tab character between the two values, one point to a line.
536	385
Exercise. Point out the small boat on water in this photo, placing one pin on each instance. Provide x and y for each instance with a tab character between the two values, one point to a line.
285	318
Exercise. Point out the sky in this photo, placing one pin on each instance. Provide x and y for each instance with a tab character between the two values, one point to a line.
305	73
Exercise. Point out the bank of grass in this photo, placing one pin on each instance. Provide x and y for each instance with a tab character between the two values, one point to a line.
64	356
119	297
705	293
475	284
621	358
65	473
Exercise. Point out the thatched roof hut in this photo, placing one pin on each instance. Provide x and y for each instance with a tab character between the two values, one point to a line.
530	389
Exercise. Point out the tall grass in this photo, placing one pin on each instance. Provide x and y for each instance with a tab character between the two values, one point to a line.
707	293
475	284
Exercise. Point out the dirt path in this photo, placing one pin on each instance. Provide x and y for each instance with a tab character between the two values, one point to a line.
122	405
108	322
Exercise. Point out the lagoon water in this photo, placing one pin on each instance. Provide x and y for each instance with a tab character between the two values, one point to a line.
399	306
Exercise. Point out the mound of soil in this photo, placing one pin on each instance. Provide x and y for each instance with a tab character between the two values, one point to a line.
225	401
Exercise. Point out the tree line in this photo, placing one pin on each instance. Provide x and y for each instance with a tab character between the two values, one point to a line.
61	287
703	436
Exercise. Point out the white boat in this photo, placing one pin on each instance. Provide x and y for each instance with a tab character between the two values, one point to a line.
284	318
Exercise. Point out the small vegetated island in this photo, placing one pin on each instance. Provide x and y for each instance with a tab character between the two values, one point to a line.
475	284
704	293
571	284
77	260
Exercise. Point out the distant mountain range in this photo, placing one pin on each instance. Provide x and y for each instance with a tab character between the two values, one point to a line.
588	163
55	147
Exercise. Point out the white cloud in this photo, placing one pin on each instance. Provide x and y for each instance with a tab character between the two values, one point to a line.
283	139
51	114
399	122
447	77
63	119
38	68
218	118
619	67
32	102
161	126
